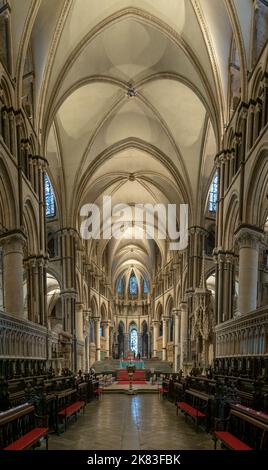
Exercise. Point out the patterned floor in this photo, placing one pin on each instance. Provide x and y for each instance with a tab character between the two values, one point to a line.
119	421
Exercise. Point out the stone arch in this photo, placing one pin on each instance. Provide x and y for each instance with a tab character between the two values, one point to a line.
8	209
169	306
103	311
232	222
94	307
256	191
159	311
31	228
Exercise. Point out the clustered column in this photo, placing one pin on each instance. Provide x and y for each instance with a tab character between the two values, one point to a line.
107	337
97	338
155	336
164	339
67	249
183	333
36	274
176	338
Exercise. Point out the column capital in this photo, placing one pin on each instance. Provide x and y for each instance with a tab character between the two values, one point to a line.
41	162
95	319
80	305
176	312
13	238
249	236
183	306
69	294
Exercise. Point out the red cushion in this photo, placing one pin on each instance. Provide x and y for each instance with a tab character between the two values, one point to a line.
163	390
231	441
71	409
190	410
28	440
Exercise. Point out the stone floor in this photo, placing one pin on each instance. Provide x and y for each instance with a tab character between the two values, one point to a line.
141	422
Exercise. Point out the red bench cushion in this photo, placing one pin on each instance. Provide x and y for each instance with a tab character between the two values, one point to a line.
71	409
28	440
231	441
190	410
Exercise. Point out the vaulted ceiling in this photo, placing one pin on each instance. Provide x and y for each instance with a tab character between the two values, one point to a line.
156	146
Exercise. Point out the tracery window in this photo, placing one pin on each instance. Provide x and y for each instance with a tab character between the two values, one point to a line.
134	341
133	284
49	198
145	286
213	193
120	286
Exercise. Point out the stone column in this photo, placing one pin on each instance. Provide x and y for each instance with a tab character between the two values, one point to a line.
79	321
183	331
155	336
13	244
220	286
164	339
107	337
249	239
86	332
68	298
176	339
97	338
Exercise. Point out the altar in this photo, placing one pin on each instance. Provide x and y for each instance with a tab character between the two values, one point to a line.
139	363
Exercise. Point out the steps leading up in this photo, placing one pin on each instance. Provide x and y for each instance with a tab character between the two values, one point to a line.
111	365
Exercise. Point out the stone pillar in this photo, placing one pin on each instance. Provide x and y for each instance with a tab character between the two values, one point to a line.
68	298
107	337
97	338
79	321
220	286
13	244
155	336
183	332
249	239
164	339
176	339
86	333
36	284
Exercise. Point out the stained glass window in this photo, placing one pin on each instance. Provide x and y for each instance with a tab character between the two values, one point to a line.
49	198
101	330
145	286
134	341
133	285
213	193
120	286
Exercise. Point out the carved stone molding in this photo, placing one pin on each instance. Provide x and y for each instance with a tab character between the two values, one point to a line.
249	237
